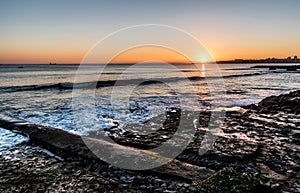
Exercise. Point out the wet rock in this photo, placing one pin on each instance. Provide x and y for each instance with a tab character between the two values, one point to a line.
288	103
256	150
228	180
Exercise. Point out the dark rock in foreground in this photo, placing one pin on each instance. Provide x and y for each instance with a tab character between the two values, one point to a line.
228	180
256	151
30	169
75	145
287	103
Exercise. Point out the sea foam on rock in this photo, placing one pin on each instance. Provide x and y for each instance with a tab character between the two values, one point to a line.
256	151
288	103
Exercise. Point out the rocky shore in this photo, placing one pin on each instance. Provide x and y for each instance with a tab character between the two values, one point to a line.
256	151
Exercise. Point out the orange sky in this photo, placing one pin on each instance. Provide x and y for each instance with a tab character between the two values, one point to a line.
37	53
72	50
226	50
62	32
142	54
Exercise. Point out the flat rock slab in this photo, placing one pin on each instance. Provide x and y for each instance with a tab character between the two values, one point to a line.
28	168
81	146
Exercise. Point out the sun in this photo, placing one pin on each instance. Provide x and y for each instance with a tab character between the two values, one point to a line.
203	59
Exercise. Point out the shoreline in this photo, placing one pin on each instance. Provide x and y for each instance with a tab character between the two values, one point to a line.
258	148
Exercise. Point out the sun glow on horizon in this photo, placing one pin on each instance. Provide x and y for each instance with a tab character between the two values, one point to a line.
204	59
31	33
149	53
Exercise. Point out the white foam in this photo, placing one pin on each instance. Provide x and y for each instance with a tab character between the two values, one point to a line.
9	139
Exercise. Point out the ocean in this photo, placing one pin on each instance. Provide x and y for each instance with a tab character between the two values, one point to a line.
42	94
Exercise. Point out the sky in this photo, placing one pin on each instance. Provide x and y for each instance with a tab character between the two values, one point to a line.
63	31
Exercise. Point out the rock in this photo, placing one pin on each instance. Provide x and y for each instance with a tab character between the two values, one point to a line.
291	176
228	180
288	103
257	150
57	139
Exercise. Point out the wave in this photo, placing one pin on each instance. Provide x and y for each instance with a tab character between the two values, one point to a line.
123	82
248	74
28	87
98	84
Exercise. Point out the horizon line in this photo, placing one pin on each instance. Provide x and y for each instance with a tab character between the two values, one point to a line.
177	62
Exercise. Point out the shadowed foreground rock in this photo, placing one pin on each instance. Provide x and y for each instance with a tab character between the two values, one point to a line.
288	103
256	151
75	144
28	168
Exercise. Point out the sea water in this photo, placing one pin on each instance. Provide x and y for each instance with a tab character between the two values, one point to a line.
42	94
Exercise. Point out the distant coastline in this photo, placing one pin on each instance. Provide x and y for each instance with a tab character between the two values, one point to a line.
289	59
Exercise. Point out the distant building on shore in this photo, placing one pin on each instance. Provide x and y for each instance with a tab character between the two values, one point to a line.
238	60
289	59
295	58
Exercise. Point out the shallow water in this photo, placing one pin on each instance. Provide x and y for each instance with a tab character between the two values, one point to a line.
53	106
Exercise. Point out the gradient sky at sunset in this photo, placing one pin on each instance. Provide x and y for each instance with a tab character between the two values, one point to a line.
63	31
